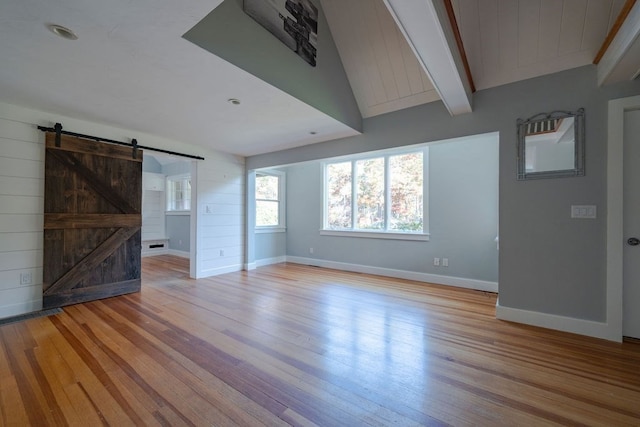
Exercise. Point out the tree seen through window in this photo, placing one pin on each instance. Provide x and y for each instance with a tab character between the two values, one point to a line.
387	195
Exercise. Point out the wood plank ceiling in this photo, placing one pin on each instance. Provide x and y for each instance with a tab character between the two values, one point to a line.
382	69
508	41
505	41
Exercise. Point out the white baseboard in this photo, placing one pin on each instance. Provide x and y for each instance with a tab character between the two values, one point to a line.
181	254
264	262
560	323
220	270
459	282
20	308
269	261
154	252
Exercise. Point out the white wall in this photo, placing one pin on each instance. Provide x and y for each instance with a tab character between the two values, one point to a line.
21	216
221	187
153	208
220	215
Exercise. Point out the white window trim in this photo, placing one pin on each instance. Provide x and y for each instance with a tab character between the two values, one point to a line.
178	213
282	197
270	229
390	235
380	234
178	177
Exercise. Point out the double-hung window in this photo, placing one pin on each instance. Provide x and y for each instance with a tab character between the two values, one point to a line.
178	193
270	206
381	195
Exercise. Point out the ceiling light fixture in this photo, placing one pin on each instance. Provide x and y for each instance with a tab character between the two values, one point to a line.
63	32
233	101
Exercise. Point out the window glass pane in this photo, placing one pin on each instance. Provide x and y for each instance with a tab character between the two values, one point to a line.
339	195
406	176
267	187
266	213
370	189
178	194
185	199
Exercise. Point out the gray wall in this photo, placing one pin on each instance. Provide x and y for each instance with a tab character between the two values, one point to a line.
270	245
463	210
178	232
232	35
549	263
150	164
177	168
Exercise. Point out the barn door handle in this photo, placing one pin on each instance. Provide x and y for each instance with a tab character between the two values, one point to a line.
633	241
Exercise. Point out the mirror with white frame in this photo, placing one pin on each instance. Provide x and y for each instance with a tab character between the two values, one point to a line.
551	145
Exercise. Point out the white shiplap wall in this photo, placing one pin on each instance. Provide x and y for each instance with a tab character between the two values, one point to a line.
21	216
220	216
219	187
153	208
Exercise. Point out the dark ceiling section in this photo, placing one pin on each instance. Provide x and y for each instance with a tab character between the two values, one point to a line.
232	35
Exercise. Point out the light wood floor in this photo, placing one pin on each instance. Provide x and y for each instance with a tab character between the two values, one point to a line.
291	344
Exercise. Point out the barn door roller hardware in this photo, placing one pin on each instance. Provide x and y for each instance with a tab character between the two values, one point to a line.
134	143
58	130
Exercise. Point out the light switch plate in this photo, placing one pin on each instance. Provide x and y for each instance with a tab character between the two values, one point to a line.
583	211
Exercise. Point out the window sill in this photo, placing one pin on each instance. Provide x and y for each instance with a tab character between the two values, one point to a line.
423	237
177	212
265	230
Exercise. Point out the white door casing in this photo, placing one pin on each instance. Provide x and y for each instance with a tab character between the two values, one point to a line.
615	215
631	212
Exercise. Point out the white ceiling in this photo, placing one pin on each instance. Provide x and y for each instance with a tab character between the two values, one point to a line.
131	67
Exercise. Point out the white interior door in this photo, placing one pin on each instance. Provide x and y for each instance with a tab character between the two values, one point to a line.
631	274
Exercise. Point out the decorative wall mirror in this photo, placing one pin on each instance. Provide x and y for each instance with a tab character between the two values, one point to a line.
551	145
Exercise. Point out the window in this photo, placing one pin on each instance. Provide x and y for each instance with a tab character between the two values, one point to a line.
179	193
270	200
378	194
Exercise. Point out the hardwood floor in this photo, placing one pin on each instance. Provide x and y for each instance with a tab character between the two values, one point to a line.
291	344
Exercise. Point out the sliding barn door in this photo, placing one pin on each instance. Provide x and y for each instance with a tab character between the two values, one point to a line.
91	221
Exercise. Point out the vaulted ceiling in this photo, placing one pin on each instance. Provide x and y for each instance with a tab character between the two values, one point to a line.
132	68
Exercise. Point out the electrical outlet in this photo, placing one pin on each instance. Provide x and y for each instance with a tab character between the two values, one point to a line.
221	252
310	250
445	262
436	261
25	278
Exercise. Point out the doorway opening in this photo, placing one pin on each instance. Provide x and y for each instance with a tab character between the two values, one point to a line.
167	201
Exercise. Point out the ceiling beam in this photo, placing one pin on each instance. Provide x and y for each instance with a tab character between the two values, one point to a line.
619	57
622	16
431	34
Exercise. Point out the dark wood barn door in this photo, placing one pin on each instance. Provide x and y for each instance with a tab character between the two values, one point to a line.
92	204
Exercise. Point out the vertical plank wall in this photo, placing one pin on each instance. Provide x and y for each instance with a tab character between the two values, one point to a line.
219	230
21	216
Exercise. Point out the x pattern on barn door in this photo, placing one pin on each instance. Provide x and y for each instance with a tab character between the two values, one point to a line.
92	221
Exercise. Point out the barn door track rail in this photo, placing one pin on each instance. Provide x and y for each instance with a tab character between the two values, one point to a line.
57	129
